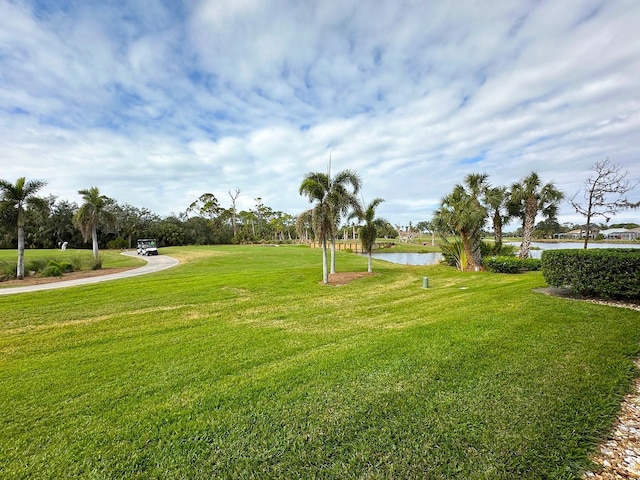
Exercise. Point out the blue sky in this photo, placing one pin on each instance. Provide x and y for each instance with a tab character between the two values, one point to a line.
158	102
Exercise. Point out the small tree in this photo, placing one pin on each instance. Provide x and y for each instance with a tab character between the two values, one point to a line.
369	231
603	193
90	213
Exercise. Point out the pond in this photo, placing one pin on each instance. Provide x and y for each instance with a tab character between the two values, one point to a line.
434	258
404	258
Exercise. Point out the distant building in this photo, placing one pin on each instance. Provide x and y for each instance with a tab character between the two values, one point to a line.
621	234
579	233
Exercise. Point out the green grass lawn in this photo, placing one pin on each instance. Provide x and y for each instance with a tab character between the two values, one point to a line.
239	363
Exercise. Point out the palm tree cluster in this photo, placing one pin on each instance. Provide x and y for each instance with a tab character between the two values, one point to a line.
334	198
465	211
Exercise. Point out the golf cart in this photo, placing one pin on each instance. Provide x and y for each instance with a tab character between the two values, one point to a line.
147	246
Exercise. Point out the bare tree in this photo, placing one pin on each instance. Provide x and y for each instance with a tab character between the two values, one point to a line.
603	193
234	197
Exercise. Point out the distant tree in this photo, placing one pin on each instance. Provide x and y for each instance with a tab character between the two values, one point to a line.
603	193
547	228
207	205
14	199
528	198
387	231
369	231
234	196
38	228
90	213
63	229
131	221
427	227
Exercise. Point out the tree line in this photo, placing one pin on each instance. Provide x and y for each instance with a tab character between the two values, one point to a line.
47	222
473	203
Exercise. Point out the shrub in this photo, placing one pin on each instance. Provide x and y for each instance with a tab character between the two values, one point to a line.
511	264
66	267
531	264
8	270
492	250
52	270
454	254
76	262
36	265
607	273
96	263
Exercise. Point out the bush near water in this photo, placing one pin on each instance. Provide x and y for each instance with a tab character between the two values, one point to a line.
504	264
608	272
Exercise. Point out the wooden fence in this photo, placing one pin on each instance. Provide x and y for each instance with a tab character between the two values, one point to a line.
355	247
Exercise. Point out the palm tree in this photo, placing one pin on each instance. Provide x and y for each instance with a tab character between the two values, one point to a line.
496	200
17	197
315	186
333	199
462	212
368	232
341	200
528	198
90	213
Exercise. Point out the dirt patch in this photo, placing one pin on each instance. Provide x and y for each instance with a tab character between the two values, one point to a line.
37	280
344	278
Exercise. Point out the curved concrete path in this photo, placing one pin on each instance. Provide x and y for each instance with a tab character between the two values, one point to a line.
154	264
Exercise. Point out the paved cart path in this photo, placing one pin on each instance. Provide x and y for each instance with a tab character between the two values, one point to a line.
155	263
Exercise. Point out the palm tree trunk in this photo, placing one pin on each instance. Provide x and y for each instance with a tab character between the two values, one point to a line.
476	252
94	238
497	230
20	267
586	237
467	250
325	270
527	230
370	268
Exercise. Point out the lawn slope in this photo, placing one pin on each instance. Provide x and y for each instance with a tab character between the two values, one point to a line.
240	363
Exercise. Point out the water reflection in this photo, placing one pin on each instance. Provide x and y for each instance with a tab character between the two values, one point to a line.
541	246
409	258
405	258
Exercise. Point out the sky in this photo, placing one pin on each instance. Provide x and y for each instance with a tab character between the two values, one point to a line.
157	102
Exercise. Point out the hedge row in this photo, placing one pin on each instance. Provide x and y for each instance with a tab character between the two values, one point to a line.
608	272
511	264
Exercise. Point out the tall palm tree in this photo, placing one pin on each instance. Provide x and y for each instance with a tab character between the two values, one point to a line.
342	199
90	213
528	198
368	232
315	186
17	197
333	199
462	212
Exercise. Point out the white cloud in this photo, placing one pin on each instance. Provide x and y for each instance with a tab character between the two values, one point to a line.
156	104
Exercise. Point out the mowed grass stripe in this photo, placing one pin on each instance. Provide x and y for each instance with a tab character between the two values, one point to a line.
238	363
